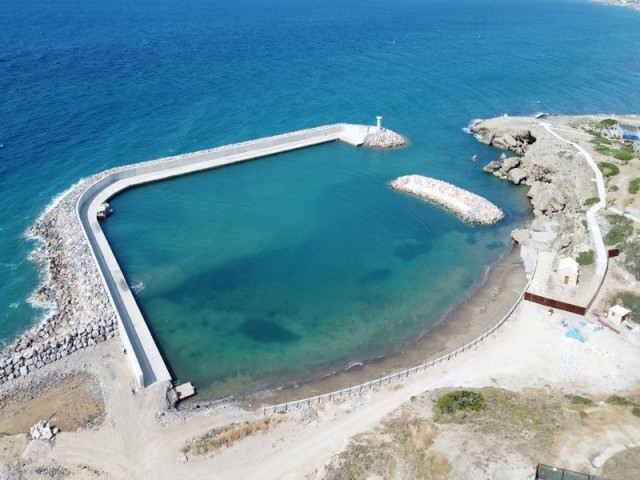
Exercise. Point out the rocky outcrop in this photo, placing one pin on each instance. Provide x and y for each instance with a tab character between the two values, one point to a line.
515	139
546	198
557	175
385	138
468	206
517	175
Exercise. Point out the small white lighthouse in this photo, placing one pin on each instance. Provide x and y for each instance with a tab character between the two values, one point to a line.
378	123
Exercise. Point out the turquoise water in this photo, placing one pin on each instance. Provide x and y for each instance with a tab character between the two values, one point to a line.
284	267
260	272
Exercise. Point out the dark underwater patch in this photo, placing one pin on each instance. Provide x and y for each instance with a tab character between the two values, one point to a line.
494	245
375	276
267	331
411	251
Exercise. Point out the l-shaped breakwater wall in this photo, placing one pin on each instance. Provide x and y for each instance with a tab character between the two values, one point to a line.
145	359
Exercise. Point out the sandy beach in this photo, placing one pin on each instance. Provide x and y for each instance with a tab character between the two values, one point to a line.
528	367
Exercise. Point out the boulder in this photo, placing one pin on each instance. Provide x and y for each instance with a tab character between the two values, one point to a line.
538	225
492	166
546	198
517	175
521	236
510	163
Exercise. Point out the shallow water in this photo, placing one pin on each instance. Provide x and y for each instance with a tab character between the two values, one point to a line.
297	253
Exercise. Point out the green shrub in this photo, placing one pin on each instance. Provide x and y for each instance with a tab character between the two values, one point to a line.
623	155
579	400
634	186
615	152
621	228
585	258
461	400
599	139
607	123
636	411
591	201
609	169
618	400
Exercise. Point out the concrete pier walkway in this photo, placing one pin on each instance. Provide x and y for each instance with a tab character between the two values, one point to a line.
145	360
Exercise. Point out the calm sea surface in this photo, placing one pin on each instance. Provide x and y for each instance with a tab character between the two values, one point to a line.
278	269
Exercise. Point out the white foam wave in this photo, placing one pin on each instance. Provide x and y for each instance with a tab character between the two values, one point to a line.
472	124
49	309
57	198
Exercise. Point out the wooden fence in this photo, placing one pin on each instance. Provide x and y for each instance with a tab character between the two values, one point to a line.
557	304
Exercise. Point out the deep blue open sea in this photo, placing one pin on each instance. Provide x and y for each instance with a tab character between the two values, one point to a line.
278	269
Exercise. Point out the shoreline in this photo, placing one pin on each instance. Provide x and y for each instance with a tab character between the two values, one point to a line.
471	316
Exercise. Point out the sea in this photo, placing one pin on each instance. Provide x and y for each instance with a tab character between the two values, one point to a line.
274	271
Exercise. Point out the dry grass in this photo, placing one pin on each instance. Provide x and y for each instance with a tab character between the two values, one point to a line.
400	449
526	421
516	430
226	436
623	466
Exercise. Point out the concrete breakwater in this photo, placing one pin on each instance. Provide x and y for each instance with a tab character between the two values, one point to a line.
468	206
85	288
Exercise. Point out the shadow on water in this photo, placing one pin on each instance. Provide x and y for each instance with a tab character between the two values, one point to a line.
411	251
267	331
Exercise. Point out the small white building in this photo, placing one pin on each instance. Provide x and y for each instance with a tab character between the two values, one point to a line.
567	272
618	314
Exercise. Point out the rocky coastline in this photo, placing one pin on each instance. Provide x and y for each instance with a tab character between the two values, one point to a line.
557	176
78	312
468	206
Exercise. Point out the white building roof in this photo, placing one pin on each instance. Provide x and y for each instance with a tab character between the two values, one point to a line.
619	311
568	263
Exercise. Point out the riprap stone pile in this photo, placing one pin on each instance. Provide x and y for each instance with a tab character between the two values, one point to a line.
467	206
385	138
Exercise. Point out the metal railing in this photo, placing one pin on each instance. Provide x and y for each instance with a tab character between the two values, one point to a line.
399	376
